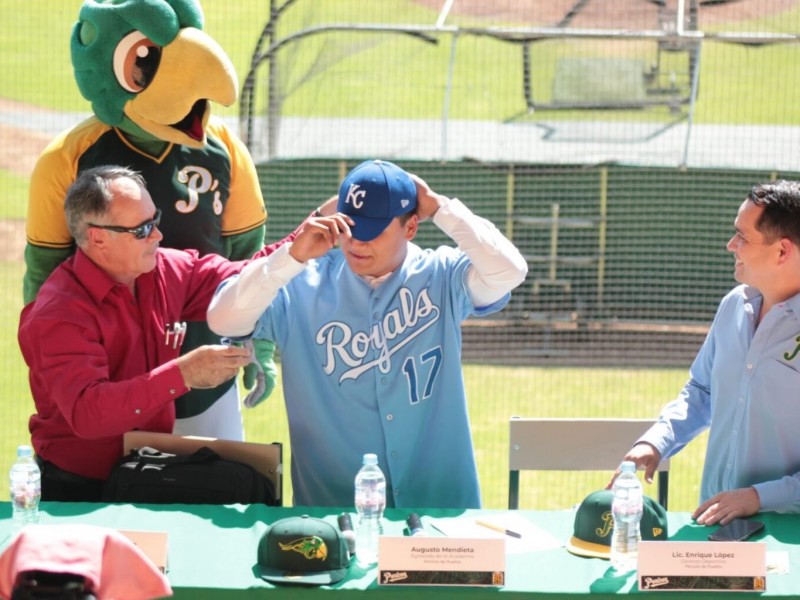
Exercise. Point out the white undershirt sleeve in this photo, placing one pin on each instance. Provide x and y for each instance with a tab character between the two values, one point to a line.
497	266
242	299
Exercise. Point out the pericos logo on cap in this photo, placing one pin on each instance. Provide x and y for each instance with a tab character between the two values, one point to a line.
373	194
303	550
310	546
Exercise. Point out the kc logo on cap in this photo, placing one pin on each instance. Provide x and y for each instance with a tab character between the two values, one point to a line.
373	194
355	196
594	524
303	550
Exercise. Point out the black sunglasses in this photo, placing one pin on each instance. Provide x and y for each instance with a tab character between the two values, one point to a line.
140	232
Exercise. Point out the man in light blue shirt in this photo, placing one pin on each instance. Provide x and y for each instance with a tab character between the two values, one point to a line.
744	384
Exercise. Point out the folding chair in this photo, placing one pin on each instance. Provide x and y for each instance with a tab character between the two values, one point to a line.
574	445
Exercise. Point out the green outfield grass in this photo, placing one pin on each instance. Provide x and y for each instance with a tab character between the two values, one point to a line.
495	394
14	189
572	393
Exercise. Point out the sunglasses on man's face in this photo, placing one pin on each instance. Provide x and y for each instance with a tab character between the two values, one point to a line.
140	232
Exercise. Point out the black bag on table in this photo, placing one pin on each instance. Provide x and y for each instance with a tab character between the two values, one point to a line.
152	477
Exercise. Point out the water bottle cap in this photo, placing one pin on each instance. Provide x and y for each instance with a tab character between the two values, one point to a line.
370	459
627	465
24	450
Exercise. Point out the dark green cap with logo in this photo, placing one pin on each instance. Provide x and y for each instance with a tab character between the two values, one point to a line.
594	525
304	551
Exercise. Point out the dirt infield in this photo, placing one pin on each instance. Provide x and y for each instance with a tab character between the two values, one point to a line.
12	240
602	14
18	154
22	147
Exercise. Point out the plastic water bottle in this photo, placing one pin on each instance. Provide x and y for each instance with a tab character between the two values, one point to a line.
370	504
25	488
626	508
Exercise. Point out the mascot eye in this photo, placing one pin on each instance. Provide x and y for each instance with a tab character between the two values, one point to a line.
136	61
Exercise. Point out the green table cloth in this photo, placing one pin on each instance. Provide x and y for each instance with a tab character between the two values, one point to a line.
212	553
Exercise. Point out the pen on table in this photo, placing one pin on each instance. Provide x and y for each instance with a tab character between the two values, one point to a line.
414	525
498	528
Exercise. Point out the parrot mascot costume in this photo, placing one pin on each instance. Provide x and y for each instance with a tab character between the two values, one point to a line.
150	73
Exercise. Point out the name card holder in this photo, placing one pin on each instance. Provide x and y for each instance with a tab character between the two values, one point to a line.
441	561
702	566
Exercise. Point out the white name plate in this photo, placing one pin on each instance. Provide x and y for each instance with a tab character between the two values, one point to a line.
702	566
441	561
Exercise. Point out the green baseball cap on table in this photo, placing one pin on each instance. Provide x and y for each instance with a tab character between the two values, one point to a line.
594	525
303	551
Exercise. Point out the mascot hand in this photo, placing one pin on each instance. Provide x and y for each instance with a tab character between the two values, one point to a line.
261	374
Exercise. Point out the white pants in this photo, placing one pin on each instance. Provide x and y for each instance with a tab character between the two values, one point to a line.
222	420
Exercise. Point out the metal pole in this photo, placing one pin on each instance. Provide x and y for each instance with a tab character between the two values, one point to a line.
510	203
447	94
444	12
601	237
272	93
527	77
692	100
555	209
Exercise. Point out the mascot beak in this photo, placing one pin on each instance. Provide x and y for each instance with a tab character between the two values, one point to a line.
175	106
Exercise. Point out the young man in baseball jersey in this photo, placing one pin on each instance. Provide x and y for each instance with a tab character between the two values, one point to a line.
370	335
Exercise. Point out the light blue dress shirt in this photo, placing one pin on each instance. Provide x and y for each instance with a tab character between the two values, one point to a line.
744	384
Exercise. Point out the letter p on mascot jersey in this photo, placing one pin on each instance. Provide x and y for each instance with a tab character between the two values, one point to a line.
150	73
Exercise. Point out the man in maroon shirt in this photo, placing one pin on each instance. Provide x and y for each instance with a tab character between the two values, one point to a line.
102	339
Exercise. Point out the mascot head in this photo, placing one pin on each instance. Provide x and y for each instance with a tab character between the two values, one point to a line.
147	67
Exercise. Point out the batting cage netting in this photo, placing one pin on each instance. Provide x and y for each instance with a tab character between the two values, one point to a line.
611	140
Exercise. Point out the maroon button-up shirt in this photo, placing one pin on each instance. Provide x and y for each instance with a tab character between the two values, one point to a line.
100	360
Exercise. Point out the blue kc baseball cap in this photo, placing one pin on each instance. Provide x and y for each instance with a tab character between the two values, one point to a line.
373	194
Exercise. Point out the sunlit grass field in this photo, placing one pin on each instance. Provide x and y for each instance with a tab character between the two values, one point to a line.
495	394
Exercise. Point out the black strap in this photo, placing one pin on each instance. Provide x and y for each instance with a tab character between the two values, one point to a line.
202	456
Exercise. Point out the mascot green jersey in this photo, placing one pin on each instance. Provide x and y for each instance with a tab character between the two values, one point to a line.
150	73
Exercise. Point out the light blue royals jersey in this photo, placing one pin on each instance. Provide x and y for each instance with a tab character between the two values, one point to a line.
378	370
